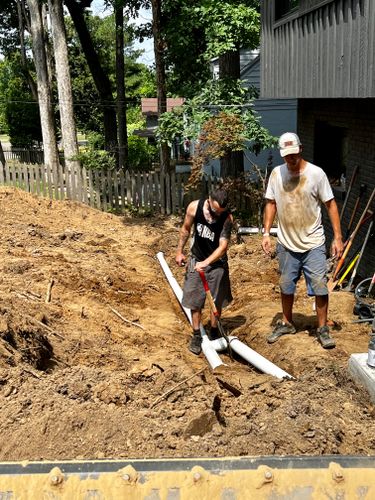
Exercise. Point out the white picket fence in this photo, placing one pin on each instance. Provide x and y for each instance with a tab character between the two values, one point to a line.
106	190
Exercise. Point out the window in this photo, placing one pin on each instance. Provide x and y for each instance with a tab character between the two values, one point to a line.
330	150
283	7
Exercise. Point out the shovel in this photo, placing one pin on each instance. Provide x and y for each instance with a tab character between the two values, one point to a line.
332	282
215	311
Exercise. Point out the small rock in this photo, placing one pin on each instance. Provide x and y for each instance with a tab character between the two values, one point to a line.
8	391
201	425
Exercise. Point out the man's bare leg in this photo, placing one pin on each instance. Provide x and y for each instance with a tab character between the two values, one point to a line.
287	302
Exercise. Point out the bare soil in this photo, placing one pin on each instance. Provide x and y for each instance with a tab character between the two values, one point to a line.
79	382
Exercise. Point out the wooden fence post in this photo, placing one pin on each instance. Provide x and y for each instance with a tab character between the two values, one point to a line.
162	193
122	190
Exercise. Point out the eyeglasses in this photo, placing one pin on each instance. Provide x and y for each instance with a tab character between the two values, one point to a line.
211	209
214	211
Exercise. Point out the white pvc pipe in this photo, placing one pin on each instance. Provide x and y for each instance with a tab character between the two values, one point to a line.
250	356
210	353
208	350
173	282
255	230
210	347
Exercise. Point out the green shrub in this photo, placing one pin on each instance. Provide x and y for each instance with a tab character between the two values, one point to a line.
96	159
140	153
95	140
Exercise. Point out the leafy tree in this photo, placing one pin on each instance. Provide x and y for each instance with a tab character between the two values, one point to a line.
9	37
186	56
191	33
218	129
230	25
140	80
19	110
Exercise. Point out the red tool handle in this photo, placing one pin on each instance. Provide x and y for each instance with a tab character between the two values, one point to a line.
215	311
208	293
204	281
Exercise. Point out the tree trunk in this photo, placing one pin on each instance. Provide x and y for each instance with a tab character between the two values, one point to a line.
229	65
121	97
47	45
101	80
21	29
44	91
165	153
232	165
2	156
64	86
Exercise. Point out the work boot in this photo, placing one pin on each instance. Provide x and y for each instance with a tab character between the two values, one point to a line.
325	338
214	333
281	328
195	343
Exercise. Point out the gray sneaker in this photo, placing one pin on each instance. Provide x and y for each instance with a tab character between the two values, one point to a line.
325	338
196	343
280	329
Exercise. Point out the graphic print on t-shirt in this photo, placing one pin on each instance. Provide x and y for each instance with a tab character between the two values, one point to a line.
205	232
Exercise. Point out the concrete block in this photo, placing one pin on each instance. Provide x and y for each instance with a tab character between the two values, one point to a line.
362	373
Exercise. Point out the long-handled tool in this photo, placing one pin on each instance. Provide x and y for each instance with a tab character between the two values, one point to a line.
371	285
368	234
215	311
362	190
333	281
347	270
352	179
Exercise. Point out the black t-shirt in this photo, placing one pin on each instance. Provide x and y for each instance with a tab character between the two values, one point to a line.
207	234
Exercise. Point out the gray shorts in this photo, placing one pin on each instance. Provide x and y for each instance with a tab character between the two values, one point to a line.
217	277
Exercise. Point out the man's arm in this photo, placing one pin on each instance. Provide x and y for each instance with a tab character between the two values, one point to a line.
221	250
333	213
268	218
185	232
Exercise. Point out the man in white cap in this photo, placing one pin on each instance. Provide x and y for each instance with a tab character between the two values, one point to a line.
295	192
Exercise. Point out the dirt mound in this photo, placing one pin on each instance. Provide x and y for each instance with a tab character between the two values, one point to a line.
94	360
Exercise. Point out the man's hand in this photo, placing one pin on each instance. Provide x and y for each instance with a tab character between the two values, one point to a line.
180	259
266	245
337	248
201	266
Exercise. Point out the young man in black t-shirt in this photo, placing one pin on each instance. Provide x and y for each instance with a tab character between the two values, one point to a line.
212	223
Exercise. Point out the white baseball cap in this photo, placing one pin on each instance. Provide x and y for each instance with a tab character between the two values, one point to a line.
289	144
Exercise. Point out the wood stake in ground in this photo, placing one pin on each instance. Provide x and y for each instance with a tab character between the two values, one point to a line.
126	320
49	290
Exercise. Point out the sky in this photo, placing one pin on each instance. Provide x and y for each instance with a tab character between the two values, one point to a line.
144	15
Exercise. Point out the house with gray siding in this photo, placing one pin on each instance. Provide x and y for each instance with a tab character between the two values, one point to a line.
322	53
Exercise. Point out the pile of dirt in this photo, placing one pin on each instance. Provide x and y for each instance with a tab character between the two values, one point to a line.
92	339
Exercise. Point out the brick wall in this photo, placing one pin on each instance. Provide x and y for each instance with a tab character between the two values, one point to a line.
358	117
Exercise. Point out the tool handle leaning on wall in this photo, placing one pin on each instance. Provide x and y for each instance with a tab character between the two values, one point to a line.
352	179
362	190
333	282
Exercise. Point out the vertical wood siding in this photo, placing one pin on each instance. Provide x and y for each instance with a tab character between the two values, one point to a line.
323	52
